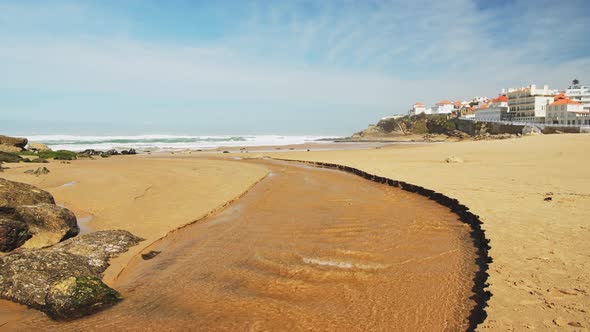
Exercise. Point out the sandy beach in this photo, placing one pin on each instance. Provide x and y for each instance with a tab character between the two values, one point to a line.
540	275
306	248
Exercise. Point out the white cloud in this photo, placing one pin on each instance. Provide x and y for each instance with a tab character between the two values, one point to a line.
379	59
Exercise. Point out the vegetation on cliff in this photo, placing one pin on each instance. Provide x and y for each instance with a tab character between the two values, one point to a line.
410	125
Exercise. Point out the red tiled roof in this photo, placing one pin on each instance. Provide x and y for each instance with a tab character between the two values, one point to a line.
443	102
565	101
500	99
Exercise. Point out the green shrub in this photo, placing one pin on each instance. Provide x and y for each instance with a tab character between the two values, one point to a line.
58	155
28	153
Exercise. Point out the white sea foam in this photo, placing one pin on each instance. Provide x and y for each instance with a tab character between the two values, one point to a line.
342	265
165	142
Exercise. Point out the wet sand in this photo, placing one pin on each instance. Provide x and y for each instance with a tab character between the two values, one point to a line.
540	275
304	249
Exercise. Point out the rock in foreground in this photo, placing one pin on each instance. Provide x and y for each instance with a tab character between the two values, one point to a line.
45	221
49	223
13	234
64	280
15	194
9	157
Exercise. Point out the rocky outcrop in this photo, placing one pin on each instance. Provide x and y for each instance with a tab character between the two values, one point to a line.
14	194
8	157
13	234
9	149
48	223
128	152
13	141
64	280
39	147
38	171
12	144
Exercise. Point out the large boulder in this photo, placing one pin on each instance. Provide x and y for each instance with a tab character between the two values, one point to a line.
74	297
13	141
14	194
9	149
48	223
9	157
99	247
34	146
13	233
64	280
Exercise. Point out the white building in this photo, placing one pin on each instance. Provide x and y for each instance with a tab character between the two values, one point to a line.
529	104
418	108
579	93
565	111
496	110
443	107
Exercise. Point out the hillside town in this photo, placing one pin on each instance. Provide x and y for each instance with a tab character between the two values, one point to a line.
530	105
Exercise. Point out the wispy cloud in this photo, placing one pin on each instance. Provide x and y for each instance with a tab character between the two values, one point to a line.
298	60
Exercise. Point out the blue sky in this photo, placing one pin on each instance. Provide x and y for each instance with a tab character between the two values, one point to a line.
286	67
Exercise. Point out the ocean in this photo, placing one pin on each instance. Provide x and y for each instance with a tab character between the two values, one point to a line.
165	142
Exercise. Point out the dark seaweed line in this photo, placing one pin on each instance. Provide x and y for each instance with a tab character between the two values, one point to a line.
478	314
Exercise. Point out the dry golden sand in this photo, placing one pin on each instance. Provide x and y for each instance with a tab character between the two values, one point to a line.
540	277
146	195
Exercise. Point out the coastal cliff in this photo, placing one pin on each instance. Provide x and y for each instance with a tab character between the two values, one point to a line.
411	126
437	127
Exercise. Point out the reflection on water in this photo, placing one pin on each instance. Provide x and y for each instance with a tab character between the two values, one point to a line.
68	184
333	252
83	224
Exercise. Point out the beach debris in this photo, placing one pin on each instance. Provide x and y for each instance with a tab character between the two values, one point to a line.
38	171
453	160
548	197
225	151
151	254
64	280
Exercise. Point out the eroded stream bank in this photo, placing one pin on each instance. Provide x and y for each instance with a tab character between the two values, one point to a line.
306	248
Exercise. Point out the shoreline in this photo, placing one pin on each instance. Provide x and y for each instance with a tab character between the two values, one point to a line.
523	264
209	214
